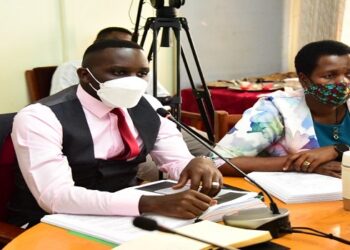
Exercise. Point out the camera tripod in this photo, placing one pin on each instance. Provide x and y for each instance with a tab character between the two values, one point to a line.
167	19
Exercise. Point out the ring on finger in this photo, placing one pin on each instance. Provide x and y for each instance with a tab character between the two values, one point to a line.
306	164
215	184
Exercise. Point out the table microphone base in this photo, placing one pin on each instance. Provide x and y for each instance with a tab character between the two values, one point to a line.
261	219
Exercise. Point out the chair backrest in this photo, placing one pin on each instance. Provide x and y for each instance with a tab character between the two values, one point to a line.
192	119
7	160
39	82
223	122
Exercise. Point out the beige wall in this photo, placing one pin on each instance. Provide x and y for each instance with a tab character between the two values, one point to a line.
48	32
29	38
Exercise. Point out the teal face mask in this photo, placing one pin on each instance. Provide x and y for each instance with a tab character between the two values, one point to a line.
331	93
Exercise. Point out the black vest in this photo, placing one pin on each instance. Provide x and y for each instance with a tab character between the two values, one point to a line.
88	172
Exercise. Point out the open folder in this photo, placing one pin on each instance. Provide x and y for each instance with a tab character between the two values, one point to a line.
118	229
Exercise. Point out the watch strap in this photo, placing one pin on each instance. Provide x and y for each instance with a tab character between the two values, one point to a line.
340	148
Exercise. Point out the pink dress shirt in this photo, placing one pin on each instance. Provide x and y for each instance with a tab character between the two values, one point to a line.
37	138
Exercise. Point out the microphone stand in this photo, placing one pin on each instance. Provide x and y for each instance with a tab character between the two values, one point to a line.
275	220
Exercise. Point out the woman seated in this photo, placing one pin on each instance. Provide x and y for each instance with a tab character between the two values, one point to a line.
305	130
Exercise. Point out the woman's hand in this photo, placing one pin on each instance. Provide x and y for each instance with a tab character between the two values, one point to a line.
331	168
308	161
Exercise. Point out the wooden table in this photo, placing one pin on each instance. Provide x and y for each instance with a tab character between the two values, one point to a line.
328	217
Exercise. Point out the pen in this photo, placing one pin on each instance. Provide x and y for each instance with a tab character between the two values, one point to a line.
214	184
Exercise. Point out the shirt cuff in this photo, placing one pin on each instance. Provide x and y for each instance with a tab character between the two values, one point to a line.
126	202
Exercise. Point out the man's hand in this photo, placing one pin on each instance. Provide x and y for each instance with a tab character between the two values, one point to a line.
203	175
331	168
185	205
308	161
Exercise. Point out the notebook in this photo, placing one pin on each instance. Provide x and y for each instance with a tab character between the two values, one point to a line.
206	230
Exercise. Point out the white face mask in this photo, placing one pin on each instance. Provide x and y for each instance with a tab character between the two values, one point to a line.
123	92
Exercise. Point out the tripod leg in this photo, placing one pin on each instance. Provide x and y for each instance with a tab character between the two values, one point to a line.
177	104
207	97
202	96
148	23
155	60
198	94
135	35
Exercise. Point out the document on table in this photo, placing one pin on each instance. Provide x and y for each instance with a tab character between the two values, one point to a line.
116	229
119	229
295	187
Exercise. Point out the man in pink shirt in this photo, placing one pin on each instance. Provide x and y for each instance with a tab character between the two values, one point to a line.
74	154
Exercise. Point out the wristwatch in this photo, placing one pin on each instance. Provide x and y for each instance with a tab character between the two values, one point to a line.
340	148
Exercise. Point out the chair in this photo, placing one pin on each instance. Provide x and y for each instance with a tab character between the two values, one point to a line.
192	119
39	82
7	161
223	121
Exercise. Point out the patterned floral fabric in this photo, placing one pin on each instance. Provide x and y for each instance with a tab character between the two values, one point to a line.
335	93
279	123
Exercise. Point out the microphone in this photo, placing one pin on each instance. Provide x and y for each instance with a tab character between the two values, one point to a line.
151	225
275	220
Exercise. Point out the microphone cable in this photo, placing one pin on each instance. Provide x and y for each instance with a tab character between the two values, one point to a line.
314	232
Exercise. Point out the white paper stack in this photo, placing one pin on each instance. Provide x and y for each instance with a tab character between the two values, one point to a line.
299	187
116	229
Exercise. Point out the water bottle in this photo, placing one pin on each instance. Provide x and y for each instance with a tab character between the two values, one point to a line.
345	176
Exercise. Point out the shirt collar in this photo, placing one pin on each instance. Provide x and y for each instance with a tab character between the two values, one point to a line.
95	106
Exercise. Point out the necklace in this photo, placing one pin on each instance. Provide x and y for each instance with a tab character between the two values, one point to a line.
336	133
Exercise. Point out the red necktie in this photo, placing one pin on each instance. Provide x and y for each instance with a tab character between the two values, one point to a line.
131	148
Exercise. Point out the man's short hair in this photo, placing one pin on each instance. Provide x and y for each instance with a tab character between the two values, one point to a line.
307	58
105	32
104	44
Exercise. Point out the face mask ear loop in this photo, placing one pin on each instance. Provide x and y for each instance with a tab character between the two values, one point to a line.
87	69
92	86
